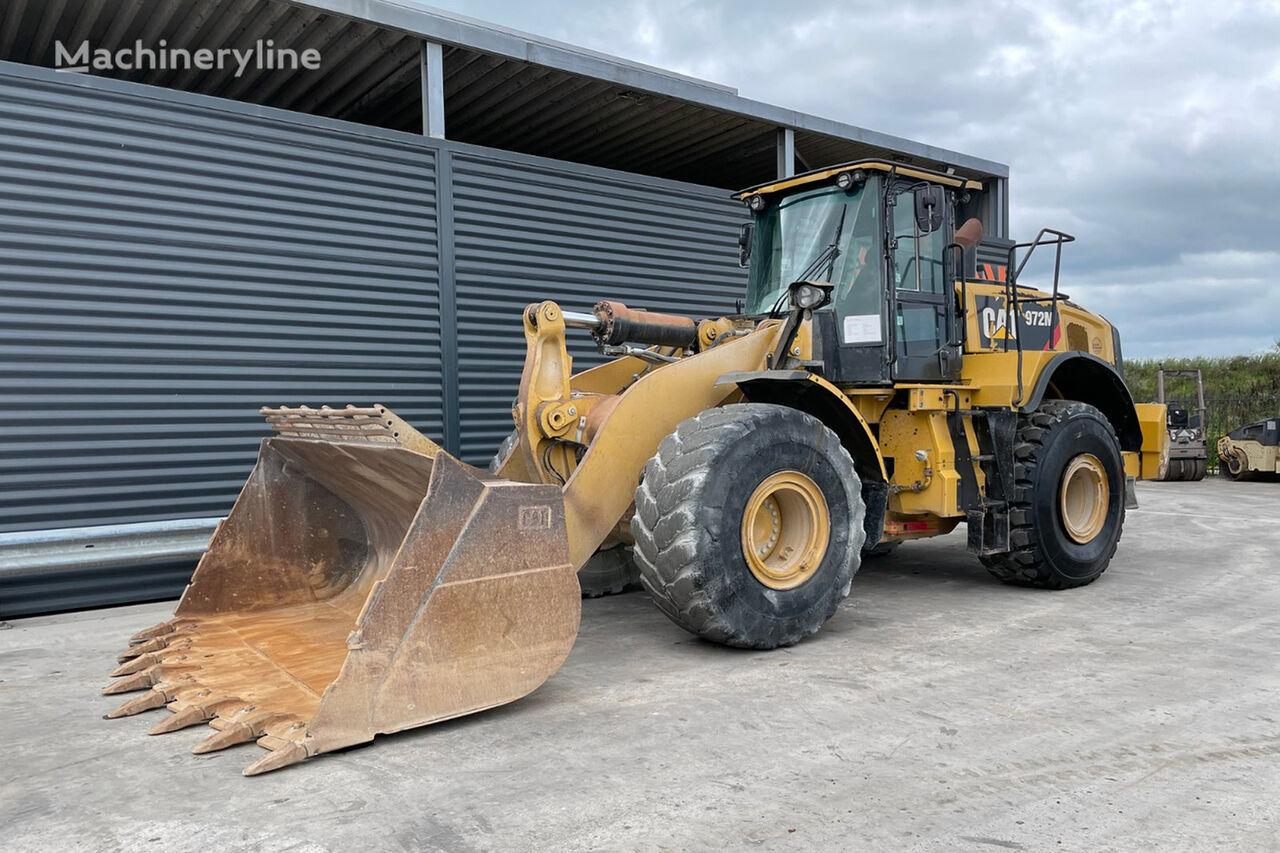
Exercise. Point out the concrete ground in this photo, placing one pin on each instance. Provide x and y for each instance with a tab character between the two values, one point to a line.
938	710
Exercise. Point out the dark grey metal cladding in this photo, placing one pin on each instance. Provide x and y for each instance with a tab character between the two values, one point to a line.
168	267
527	230
171	262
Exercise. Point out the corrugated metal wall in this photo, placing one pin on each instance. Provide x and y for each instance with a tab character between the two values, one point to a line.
525	233
166	269
170	262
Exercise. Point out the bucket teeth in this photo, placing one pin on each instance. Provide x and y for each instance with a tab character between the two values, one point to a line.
153	698
159	630
292	753
181	677
244	725
192	715
137	664
137	681
155	644
233	734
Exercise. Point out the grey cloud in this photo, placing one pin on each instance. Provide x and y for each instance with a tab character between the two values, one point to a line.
1151	130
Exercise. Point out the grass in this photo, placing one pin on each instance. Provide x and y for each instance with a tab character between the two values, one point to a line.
1238	389
1233	377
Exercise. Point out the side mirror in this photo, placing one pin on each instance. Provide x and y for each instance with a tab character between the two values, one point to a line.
929	205
744	242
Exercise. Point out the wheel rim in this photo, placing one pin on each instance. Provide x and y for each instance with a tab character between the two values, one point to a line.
785	529
1085	495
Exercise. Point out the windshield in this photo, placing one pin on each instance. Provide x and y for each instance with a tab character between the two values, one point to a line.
794	233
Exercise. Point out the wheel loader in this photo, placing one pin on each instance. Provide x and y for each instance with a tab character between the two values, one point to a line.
872	389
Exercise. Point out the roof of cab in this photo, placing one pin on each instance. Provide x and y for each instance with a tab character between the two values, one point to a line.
819	175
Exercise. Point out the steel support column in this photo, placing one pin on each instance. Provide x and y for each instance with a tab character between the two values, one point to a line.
786	152
432	90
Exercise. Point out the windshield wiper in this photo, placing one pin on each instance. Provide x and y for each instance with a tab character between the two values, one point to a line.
826	258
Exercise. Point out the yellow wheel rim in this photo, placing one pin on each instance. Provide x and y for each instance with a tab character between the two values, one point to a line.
1084	499
785	530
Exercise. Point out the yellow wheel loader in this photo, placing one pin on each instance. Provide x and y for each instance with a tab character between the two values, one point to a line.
872	390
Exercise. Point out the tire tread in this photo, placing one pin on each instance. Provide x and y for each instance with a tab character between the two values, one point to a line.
667	530
1025	564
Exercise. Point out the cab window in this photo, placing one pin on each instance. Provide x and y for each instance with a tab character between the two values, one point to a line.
917	258
825	234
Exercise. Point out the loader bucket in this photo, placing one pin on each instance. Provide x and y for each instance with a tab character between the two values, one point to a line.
364	582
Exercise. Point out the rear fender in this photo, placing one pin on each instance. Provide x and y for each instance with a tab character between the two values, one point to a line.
1088	379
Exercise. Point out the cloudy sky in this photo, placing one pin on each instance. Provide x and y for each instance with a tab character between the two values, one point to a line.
1150	130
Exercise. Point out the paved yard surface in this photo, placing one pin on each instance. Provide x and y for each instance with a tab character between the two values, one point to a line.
938	710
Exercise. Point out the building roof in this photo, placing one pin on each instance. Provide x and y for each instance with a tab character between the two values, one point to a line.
503	89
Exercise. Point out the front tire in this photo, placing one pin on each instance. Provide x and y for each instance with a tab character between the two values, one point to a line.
609	571
880	549
503	452
1068	510
749	479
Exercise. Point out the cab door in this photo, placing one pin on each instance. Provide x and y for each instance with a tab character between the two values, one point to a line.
920	284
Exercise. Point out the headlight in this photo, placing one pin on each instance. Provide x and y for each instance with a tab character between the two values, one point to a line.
849	180
808	296
756	203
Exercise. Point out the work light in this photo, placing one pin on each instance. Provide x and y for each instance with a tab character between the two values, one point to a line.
849	180
808	295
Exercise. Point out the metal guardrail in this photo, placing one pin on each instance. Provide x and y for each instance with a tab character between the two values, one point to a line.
107	546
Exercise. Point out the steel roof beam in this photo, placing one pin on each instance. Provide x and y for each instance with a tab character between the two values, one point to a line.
476	35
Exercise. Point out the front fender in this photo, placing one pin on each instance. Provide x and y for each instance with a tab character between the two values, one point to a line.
810	393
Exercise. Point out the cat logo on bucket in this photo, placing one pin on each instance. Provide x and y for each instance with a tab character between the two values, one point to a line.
1037	325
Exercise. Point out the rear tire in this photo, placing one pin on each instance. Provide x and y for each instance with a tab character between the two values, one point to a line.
700	500
1068	510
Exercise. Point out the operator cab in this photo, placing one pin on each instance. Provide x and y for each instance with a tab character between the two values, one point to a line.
879	234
